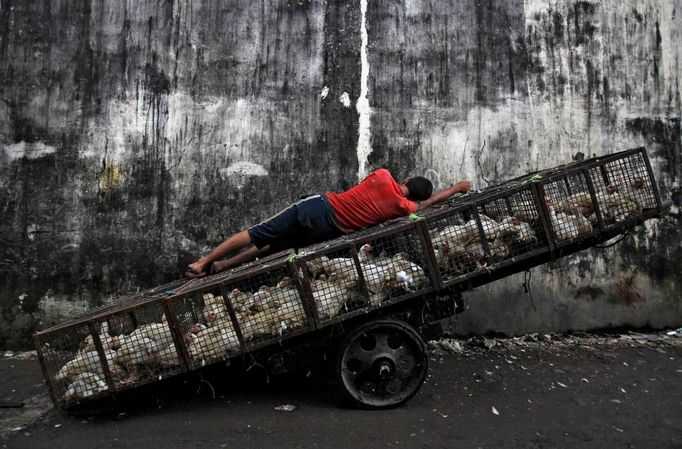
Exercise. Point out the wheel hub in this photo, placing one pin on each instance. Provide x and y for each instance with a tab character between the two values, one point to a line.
385	368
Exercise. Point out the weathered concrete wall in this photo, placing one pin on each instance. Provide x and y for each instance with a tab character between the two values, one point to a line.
136	134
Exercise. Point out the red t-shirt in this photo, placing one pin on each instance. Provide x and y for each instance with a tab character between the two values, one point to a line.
376	199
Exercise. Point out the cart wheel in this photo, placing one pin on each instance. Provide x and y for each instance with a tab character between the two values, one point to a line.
382	364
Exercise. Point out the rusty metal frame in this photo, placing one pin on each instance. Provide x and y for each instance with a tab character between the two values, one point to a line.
43	367
178	338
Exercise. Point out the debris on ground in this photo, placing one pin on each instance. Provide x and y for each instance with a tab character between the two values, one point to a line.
21	355
285	408
447	344
478	344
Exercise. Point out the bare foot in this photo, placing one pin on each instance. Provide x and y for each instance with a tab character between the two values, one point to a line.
220	266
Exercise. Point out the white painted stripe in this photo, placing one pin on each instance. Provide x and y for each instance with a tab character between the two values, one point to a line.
362	105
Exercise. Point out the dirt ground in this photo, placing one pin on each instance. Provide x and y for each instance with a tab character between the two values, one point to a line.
618	391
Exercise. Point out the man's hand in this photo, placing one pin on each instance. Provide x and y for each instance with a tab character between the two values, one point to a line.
462	186
458	187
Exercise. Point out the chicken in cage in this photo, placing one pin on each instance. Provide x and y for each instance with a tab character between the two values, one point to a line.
458	248
336	280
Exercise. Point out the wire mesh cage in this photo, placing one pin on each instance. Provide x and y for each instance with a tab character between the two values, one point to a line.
269	305
72	365
207	329
265	303
379	266
457	242
624	187
395	264
331	277
511	223
570	206
145	348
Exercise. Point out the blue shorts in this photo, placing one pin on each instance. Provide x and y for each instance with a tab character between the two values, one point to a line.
307	221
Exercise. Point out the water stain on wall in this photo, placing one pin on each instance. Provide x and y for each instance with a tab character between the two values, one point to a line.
134	135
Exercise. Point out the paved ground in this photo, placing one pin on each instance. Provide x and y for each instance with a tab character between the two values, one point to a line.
588	392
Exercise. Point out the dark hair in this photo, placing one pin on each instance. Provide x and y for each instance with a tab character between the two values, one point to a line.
419	188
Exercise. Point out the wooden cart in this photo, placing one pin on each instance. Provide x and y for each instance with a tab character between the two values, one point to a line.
367	297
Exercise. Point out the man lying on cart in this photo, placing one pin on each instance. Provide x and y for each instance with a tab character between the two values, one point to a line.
317	218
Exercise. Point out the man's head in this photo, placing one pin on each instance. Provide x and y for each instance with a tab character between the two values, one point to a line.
419	188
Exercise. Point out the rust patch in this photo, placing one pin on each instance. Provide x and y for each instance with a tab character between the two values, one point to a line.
627	289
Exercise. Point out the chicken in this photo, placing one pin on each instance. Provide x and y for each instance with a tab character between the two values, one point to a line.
214	342
168	356
498	249
577	204
375	279
617	206
474	253
287	317
365	253
414	272
256	323
284	292
512	230
448	251
523	208
568	226
489	225
330	295
214	308
342	267
462	234
109	342
136	349
160	333
84	385
240	300
84	362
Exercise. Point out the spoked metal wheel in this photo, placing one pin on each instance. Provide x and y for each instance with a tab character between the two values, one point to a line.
382	364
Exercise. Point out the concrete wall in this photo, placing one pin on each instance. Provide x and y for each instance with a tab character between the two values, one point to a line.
136	134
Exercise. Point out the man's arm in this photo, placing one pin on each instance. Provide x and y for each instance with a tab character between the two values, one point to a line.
441	195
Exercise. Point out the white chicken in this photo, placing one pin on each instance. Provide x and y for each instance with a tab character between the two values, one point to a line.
475	253
413	272
168	356
158	332
342	267
240	300
513	230
498	248
84	362
448	251
617	207
365	253
214	308
565	226
375	279
275	296
489	225
109	342
84	385
330	295
136	349
288	316
213	342
577	203
256	323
